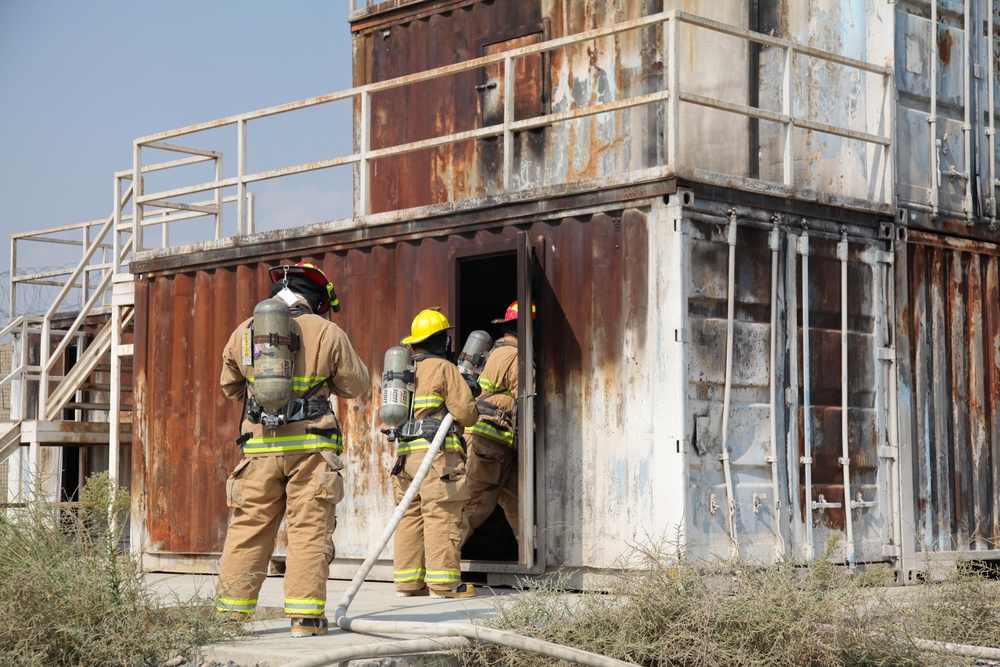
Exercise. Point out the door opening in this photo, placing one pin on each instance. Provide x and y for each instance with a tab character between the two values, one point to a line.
486	287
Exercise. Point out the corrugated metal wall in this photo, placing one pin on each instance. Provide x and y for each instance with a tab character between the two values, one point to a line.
945	58
950	322
712	64
636	407
786	478
187	427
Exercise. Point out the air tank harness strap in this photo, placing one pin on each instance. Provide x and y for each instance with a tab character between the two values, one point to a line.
308	407
293	341
476	360
491	411
407	376
328	433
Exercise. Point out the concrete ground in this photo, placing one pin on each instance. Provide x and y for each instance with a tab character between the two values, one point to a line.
272	645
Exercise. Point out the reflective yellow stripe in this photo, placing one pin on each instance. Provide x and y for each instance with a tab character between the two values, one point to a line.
306	383
237	605
451	443
443	576
416	574
305	606
492	431
302	383
429	401
293	443
493	387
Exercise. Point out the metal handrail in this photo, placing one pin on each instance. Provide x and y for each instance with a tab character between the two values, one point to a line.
671	97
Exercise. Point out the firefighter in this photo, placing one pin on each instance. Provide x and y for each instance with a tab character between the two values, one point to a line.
291	462
426	548
492	441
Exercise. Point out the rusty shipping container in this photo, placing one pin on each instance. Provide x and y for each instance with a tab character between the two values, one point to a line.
753	335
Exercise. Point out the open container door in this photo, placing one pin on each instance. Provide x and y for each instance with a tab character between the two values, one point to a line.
529	511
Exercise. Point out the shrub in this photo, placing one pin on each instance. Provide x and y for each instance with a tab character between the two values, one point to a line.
69	596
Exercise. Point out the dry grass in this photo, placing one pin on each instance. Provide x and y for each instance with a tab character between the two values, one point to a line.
69	597
674	612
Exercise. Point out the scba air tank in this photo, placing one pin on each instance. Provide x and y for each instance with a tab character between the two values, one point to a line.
272	354
474	354
397	386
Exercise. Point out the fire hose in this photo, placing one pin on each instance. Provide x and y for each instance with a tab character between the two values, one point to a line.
450	636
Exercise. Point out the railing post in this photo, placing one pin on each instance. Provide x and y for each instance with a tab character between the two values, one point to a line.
116	237
137	191
786	92
241	172
44	345
218	198
85	277
251	225
508	118
363	204
13	273
673	88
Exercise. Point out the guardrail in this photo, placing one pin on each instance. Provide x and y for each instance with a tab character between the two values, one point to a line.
169	207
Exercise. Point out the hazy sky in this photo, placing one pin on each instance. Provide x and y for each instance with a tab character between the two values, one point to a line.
80	80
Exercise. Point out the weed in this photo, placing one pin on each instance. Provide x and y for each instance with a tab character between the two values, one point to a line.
68	596
667	610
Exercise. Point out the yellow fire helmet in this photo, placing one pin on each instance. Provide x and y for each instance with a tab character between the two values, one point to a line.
427	323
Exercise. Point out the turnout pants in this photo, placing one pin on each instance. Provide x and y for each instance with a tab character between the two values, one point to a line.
492	475
426	546
262	489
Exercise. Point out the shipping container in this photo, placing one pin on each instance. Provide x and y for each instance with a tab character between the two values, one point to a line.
761	238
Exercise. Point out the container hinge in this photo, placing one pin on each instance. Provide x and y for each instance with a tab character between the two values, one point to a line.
859	502
790	396
886	353
682	336
888	452
821	504
682	445
885	257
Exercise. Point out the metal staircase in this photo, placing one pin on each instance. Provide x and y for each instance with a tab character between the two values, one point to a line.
71	367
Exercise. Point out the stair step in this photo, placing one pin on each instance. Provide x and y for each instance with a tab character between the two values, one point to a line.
106	368
70	433
101	386
94	406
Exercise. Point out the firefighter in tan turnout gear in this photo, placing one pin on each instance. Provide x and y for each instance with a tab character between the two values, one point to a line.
426	549
285	364
492	441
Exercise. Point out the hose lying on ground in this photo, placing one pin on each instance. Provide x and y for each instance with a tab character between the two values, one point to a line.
452	636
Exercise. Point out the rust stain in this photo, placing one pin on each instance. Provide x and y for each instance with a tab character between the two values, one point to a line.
945	42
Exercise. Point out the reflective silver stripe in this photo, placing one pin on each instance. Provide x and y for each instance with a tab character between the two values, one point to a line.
451	443
493	432
245	606
291	443
308	606
416	574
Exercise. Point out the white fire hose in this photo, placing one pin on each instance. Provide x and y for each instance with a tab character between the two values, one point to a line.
451	636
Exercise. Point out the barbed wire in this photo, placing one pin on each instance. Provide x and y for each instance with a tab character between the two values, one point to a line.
34	299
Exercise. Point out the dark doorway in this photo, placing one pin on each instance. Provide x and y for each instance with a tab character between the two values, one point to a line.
487	285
